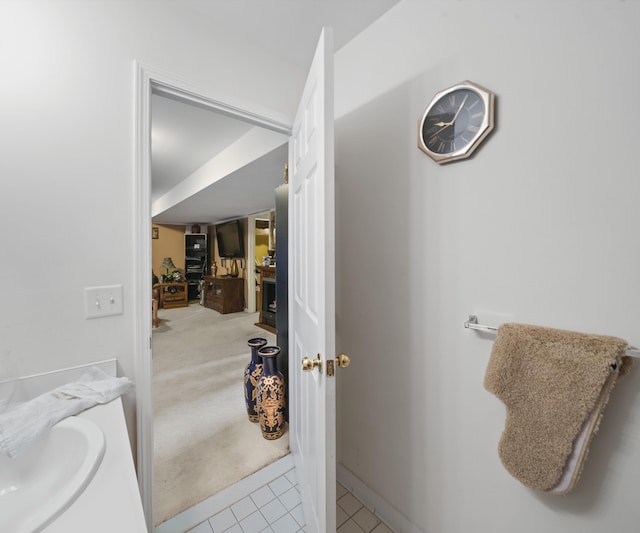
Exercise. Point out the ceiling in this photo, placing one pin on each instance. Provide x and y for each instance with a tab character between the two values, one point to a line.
186	137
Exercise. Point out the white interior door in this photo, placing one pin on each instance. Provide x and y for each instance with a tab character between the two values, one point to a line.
312	292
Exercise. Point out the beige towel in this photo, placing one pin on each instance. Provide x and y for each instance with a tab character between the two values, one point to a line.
555	385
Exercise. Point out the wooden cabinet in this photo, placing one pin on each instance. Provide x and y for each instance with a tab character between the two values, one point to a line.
225	295
173	295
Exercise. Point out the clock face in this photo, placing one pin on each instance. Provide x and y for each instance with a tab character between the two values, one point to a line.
455	122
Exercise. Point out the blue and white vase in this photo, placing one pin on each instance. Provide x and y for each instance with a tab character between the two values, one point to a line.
270	395
252	373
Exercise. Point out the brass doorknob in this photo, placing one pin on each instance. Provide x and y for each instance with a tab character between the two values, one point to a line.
309	364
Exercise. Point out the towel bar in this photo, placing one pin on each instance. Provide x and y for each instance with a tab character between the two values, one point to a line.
472	323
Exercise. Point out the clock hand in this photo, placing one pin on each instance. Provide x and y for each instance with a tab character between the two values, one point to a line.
442	125
459	109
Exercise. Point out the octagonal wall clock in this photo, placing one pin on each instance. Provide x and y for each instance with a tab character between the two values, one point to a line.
456	121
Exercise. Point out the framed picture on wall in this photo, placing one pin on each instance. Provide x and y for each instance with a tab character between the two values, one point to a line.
154	233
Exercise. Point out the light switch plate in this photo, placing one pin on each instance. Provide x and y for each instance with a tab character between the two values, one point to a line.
103	301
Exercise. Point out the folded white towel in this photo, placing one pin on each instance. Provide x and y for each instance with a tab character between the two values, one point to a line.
23	423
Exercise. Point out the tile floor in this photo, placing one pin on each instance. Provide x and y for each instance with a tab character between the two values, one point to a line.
353	517
276	507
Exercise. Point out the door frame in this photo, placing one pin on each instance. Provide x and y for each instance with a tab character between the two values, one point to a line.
251	259
150	81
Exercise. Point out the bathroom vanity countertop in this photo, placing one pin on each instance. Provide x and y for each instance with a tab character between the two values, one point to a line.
111	502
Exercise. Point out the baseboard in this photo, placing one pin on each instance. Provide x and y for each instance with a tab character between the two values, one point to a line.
380	507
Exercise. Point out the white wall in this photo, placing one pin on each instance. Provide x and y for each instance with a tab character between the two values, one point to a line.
67	165
541	226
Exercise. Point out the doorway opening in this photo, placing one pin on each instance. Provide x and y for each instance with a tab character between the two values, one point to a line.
150	82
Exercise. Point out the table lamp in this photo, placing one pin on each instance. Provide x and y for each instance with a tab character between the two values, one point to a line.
167	263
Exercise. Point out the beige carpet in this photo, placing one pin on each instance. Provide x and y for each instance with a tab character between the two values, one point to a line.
203	440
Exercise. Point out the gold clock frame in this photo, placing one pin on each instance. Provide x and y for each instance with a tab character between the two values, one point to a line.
486	126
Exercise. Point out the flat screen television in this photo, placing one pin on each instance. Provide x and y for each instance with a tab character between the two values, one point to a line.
229	237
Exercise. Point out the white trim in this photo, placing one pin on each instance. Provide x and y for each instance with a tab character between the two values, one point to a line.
188	95
374	502
251	264
148	81
142	289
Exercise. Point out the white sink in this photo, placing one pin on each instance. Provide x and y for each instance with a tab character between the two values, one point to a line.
45	479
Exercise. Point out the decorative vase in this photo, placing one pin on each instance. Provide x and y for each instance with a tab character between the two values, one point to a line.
214	269
270	395
234	269
252	373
